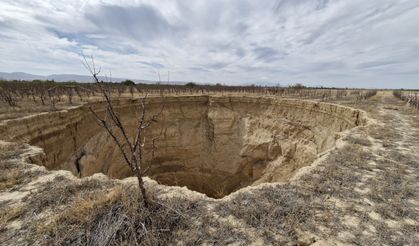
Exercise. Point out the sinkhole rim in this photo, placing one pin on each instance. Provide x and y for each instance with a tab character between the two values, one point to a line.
240	180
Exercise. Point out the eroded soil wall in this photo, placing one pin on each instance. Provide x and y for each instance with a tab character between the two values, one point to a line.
211	144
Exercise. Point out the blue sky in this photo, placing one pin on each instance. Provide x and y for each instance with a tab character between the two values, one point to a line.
345	43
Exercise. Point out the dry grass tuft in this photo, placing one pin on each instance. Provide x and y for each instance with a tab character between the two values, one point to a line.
8	214
10	150
12	175
9	178
358	140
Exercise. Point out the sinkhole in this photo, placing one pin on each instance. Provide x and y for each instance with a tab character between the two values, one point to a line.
211	144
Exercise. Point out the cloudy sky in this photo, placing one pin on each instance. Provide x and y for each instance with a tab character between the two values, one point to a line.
354	43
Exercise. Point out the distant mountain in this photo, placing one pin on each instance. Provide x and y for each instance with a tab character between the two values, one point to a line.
56	77
71	77
19	76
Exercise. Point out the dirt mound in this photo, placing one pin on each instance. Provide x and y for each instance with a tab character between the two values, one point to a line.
213	145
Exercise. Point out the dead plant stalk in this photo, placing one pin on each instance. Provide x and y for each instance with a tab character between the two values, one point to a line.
133	154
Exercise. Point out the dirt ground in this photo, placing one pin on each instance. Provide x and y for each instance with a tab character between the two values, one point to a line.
362	192
371	183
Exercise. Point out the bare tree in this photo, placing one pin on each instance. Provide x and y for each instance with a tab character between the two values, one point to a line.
132	148
8	97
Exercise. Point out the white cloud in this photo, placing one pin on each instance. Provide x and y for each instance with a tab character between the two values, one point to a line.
335	43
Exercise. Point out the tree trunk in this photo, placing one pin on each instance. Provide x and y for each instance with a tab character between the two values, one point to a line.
142	188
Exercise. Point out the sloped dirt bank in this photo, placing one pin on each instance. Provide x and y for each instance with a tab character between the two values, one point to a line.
211	144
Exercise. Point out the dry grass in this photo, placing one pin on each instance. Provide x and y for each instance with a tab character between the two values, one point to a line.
10	151
62	191
8	214
279	213
381	133
116	217
102	213
341	172
360	140
9	178
12	175
386	185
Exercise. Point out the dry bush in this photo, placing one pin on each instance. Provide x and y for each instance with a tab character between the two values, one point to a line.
410	97
116	218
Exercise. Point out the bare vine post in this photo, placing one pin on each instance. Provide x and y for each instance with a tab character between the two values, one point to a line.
131	147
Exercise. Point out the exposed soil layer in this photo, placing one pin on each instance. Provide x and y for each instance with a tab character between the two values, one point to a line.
211	144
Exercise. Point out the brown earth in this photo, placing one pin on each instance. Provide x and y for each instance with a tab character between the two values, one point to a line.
361	188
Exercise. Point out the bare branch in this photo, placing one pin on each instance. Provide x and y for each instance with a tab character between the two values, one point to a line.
132	151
